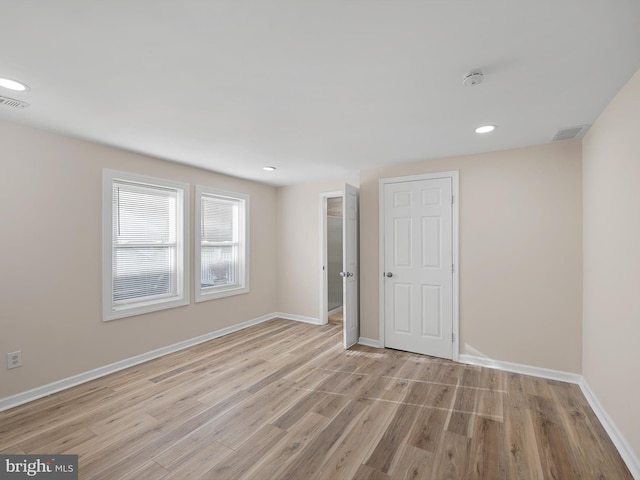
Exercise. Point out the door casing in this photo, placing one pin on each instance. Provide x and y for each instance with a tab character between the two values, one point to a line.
453	175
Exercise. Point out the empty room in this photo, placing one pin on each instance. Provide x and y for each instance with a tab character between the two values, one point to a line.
355	239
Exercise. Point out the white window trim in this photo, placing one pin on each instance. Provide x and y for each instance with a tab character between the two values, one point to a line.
243	236
184	242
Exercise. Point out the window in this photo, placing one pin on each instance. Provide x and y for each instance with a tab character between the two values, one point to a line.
221	259
145	244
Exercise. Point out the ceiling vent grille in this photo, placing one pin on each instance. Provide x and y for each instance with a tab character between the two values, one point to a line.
12	102
569	133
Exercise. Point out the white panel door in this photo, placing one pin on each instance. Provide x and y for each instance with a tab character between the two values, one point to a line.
418	266
350	271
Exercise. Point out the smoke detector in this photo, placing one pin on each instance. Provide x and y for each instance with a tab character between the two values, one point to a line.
473	78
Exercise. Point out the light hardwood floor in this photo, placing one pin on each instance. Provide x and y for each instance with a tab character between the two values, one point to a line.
283	400
337	317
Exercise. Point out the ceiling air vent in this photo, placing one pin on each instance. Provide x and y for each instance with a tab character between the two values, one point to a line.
12	102
569	133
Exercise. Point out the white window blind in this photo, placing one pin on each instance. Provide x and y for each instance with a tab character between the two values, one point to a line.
222	244
147	257
219	247
144	242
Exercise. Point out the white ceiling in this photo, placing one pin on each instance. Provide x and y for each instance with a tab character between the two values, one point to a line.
318	88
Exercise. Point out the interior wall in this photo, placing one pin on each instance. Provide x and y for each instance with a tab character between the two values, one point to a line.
334	262
520	252
611	357
50	269
299	247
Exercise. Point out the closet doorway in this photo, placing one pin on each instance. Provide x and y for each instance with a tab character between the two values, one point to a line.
331	291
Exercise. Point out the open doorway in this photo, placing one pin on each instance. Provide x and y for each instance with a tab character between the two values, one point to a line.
335	303
331	285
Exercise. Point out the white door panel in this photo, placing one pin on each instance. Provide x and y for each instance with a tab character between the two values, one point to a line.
350	270
418	259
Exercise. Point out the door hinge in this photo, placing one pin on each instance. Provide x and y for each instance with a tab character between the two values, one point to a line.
453	337
452	268
451	199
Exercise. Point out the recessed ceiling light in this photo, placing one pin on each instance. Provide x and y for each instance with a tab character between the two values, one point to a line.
485	129
13	85
268	168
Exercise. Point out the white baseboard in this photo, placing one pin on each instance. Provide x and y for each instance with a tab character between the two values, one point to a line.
369	342
44	390
625	450
59	385
335	310
297	318
523	369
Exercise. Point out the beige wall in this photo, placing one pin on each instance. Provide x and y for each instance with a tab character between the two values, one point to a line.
611	357
50	267
299	247
520	252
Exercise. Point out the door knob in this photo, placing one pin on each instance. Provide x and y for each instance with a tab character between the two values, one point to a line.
389	274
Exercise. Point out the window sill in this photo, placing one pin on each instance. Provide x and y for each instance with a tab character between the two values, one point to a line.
123	311
203	296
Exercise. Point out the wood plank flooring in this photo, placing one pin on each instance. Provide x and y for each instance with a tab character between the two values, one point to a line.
282	400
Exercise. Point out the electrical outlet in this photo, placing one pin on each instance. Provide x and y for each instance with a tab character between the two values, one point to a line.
14	359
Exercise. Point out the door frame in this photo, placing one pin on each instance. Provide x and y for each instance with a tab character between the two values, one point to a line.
324	279
453	175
